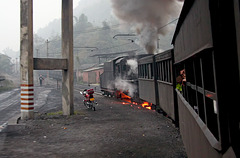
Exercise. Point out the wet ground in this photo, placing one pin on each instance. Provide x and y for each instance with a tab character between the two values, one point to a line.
113	130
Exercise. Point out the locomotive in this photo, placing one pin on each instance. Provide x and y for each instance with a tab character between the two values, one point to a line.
120	77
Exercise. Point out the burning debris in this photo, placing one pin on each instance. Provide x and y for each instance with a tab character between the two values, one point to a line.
145	105
148	17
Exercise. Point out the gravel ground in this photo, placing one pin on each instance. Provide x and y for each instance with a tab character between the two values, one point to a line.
114	130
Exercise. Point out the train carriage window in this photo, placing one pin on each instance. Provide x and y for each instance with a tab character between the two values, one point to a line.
199	90
146	72
167	70
159	71
170	74
151	67
141	71
162	72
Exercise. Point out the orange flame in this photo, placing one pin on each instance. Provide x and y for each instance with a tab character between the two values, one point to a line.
146	105
128	99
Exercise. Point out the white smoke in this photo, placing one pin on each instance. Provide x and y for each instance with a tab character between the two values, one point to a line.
133	64
126	85
123	85
148	17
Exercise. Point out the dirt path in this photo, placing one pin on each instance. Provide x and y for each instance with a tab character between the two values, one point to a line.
113	130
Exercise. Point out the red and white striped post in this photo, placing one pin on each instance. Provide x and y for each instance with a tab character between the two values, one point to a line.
27	97
26	60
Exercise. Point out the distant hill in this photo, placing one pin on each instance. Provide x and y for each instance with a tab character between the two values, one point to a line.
97	11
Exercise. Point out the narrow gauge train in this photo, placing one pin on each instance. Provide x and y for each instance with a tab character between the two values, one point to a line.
207	47
206	108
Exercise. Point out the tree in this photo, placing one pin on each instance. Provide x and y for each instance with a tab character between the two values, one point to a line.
81	23
5	64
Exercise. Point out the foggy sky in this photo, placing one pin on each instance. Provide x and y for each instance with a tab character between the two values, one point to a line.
44	11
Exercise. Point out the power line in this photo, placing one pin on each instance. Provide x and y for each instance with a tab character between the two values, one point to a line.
106	28
98	29
168	23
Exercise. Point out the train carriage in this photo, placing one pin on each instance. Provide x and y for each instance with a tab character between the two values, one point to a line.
208	117
146	81
156	83
165	83
107	78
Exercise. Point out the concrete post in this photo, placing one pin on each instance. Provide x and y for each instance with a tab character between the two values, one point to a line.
26	60
67	53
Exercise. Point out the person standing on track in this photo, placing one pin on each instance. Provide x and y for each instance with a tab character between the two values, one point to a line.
41	80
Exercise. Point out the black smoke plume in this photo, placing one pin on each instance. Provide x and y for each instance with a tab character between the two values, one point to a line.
148	17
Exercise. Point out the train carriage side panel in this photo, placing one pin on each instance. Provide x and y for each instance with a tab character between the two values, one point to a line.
165	82
207	105
107	77
195	141
145	80
237	25
189	39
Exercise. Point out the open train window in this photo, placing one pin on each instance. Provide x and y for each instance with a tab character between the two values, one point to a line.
146	71
199	90
164	70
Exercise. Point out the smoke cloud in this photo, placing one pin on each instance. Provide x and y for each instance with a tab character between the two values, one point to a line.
123	85
133	65
148	18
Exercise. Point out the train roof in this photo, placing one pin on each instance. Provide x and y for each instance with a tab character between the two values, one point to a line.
185	10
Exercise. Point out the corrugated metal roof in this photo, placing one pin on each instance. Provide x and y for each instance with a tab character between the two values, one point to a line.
93	69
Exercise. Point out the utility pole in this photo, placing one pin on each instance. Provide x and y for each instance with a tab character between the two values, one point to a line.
26	60
16	65
47	47
36	71
47	57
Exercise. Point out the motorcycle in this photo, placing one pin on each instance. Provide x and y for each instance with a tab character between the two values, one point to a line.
89	100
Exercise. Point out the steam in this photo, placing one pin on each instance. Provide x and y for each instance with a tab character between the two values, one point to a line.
125	85
133	64
148	17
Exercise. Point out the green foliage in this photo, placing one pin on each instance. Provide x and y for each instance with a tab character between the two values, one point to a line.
6	85
5	64
55	113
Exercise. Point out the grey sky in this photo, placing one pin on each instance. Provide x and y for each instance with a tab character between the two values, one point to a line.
44	11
